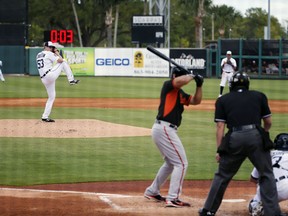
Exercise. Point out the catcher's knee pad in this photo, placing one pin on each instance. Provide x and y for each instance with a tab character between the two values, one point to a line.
255	208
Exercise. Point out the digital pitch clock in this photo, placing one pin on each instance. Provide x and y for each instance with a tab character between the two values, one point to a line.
59	36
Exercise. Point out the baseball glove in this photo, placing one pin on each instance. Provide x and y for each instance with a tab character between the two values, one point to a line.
54	50
229	62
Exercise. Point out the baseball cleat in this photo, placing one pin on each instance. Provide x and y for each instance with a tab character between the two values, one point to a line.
255	208
47	120
176	203
74	82
204	212
156	198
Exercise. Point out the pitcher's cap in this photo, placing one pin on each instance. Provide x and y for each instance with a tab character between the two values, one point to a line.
49	44
229	53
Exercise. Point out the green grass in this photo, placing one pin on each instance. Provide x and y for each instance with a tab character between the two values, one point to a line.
44	161
27	161
124	87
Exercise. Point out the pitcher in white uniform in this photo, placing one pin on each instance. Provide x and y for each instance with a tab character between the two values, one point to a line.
50	65
279	158
228	66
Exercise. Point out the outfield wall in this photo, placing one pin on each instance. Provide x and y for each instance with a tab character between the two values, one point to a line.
263	61
132	62
135	62
13	59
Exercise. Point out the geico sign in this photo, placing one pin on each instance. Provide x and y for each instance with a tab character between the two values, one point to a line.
112	61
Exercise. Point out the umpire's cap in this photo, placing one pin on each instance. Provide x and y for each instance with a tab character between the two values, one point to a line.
49	44
239	80
177	71
281	142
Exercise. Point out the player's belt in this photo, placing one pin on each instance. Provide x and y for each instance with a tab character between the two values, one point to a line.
166	123
244	127
45	73
228	71
281	178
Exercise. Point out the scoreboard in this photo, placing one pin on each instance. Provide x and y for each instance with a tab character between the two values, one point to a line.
148	29
63	36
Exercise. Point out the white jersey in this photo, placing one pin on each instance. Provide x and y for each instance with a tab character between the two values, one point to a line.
1	75
280	170
228	68
45	61
279	163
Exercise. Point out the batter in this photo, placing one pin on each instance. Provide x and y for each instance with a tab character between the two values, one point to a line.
50	65
164	134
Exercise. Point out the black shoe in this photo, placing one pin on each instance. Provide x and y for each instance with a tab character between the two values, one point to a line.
177	203
156	198
74	82
204	212
47	120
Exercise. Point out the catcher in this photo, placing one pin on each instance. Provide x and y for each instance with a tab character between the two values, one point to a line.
50	64
279	158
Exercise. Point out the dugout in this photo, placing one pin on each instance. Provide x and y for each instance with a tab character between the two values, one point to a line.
259	58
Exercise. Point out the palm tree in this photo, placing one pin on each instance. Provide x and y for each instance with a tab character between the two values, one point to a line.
225	17
198	9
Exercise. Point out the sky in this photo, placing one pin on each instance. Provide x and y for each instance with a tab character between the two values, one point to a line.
278	8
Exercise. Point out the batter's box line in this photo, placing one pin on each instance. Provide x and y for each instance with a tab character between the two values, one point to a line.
106	200
67	192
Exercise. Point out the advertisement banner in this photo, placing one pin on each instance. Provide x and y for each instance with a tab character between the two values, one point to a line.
81	60
195	59
148	64
130	62
113	62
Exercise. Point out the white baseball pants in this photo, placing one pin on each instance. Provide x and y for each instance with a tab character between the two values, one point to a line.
49	83
175	164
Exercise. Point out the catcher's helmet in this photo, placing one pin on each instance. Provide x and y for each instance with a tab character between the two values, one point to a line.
239	80
281	141
177	71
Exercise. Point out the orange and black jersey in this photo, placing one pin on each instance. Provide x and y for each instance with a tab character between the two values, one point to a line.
172	101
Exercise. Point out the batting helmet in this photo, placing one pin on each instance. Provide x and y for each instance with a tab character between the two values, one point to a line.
177	71
281	141
239	80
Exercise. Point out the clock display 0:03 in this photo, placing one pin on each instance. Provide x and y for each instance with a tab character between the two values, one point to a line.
61	36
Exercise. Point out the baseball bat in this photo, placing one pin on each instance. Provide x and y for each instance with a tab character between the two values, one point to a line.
166	58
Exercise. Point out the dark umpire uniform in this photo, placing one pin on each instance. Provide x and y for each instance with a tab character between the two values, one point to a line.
242	110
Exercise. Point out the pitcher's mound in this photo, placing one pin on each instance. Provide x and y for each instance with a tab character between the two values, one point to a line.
68	128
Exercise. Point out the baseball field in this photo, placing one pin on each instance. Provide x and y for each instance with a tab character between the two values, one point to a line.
98	157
